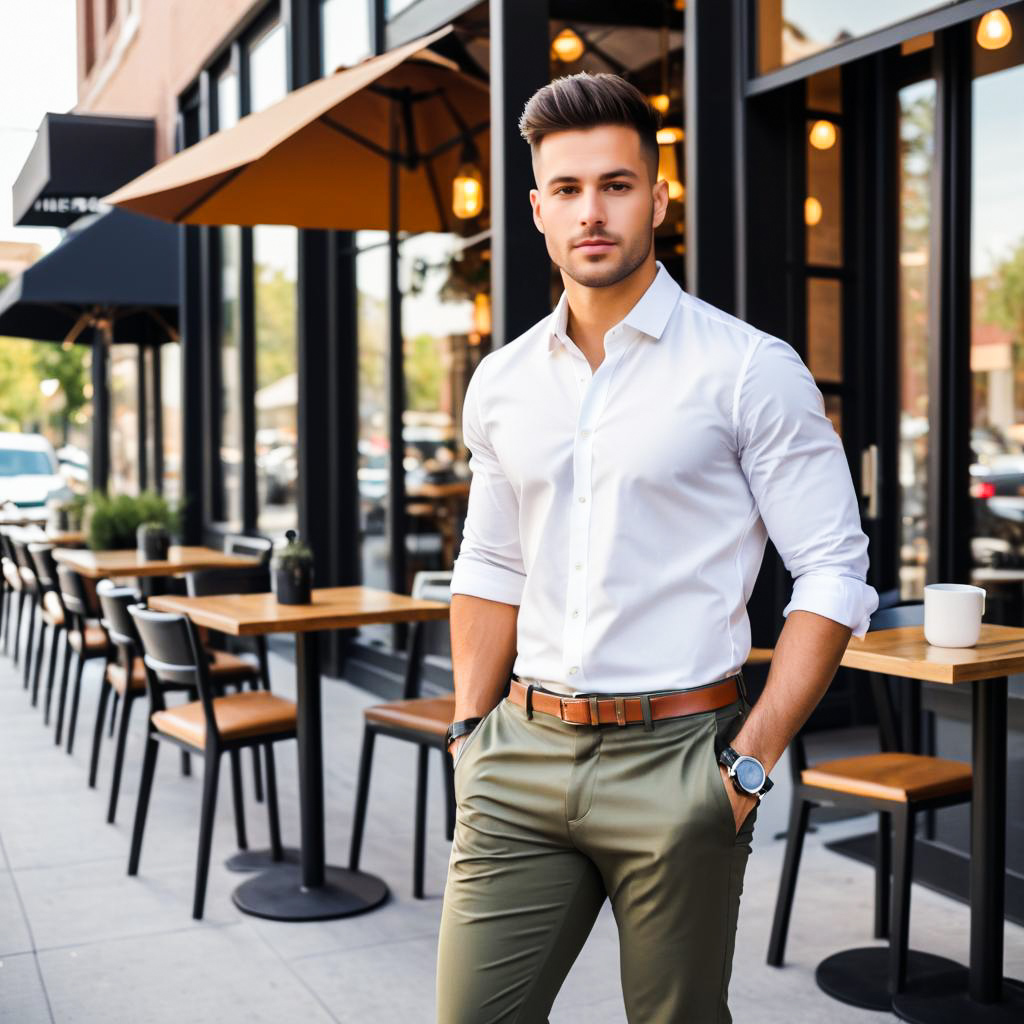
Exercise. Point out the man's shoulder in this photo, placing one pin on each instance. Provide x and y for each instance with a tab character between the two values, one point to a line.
712	318
533	339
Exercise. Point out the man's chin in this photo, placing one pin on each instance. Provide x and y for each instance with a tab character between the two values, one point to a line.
596	271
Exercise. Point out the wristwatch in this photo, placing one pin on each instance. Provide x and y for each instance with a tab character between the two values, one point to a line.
747	773
457	729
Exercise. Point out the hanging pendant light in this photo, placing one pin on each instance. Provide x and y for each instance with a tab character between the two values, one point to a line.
823	135
812	211
667	136
660	101
994	30
567	46
668	169
468	185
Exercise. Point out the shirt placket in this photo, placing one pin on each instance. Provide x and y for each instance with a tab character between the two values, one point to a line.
593	392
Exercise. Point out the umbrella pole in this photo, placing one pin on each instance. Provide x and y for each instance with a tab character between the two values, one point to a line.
396	383
101	337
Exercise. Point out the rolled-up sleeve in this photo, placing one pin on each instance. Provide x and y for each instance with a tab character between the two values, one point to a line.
490	561
797	471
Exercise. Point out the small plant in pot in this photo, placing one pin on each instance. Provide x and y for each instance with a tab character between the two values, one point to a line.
292	571
157	519
66	515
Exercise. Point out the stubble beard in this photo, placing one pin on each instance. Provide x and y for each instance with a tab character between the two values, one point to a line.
604	273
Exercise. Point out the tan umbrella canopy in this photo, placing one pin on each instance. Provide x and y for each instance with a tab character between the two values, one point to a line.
322	156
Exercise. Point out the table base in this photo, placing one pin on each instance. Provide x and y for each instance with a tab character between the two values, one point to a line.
260	860
278	894
944	1000
860	977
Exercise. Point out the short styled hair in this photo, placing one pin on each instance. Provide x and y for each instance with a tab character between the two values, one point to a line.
581	101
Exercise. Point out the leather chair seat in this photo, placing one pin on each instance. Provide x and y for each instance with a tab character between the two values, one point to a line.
238	716
52	610
891	776
116	675
431	715
227	666
95	639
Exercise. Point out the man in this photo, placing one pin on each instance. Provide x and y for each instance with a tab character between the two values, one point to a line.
631	455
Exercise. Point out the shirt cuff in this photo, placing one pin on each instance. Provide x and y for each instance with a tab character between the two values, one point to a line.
486	580
844	599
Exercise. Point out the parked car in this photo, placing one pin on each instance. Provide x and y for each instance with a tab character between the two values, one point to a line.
29	472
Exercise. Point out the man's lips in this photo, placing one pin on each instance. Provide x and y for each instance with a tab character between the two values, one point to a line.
595	243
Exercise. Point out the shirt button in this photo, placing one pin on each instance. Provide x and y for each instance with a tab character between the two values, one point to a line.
579	565
582	498
575	613
574	670
586	433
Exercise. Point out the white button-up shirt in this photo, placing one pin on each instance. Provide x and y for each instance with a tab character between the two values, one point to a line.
626	510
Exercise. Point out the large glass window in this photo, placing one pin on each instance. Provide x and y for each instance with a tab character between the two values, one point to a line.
344	33
171	423
997	299
268	68
789	30
275	273
916	142
124	419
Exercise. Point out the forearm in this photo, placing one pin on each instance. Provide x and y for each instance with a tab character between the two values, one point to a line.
806	657
483	636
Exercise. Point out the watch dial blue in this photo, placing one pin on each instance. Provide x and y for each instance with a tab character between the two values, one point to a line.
750	774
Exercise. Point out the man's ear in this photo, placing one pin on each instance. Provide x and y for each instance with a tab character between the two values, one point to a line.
660	202
535	204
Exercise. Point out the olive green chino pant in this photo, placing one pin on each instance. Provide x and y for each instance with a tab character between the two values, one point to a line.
553	818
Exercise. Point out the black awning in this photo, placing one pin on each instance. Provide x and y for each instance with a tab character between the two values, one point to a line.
76	159
118	266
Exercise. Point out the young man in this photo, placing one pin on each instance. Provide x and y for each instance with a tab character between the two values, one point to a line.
631	455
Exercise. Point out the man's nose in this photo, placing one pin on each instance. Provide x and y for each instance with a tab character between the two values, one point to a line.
592	212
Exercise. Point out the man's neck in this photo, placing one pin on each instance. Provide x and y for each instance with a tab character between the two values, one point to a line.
595	311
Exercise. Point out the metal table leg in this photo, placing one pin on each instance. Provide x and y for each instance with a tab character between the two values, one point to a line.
311	890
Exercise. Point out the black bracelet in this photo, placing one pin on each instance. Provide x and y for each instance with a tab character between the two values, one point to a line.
457	729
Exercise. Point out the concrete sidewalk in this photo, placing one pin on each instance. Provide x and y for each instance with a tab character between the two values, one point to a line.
82	942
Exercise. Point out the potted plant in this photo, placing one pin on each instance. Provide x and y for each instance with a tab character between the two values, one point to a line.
292	571
66	515
157	519
112	523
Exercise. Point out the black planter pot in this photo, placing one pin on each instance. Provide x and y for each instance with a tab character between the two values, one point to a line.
153	543
59	521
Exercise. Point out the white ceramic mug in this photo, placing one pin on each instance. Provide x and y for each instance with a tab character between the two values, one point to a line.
952	614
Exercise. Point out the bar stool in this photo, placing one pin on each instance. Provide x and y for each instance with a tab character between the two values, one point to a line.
52	614
86	638
415	719
897	785
174	658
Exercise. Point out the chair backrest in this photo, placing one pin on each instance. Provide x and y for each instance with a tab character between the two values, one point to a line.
45	566
255	546
6	548
24	561
173	657
430	585
114	604
73	593
207	582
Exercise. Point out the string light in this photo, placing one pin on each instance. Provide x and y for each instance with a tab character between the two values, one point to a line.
567	46
823	135
812	211
670	135
994	30
467	192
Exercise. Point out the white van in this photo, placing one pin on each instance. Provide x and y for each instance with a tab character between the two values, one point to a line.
29	474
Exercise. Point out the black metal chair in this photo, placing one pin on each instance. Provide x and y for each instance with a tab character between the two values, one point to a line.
897	785
15	591
32	592
415	719
53	616
256	580
86	638
254	545
174	658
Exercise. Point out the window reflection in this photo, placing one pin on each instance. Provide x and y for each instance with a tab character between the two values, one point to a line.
789	30
124	419
231	448
997	304
916	141
268	68
170	411
344	33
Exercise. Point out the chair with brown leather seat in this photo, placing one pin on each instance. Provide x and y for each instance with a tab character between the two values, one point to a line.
253	545
174	657
895	784
86	638
53	616
32	592
415	719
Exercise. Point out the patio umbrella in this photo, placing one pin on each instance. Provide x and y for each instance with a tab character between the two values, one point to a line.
318	157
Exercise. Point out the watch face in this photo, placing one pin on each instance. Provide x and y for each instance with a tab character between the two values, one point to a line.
750	774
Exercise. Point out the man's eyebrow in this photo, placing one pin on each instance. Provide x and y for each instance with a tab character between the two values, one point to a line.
571	179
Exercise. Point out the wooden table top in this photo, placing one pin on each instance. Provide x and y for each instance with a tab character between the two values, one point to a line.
332	608
99	564
905	652
65	537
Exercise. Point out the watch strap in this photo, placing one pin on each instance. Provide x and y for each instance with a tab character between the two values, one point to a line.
461	728
729	757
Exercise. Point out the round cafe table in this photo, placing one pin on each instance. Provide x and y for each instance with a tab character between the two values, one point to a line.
311	890
978	993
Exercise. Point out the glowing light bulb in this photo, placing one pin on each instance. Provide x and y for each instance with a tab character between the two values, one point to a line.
823	135
467	192
994	31
567	46
668	136
660	102
812	211
668	169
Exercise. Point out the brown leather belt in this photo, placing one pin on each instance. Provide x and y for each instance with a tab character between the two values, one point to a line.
594	710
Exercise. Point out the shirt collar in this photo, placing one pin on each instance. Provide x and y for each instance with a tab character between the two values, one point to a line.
649	316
